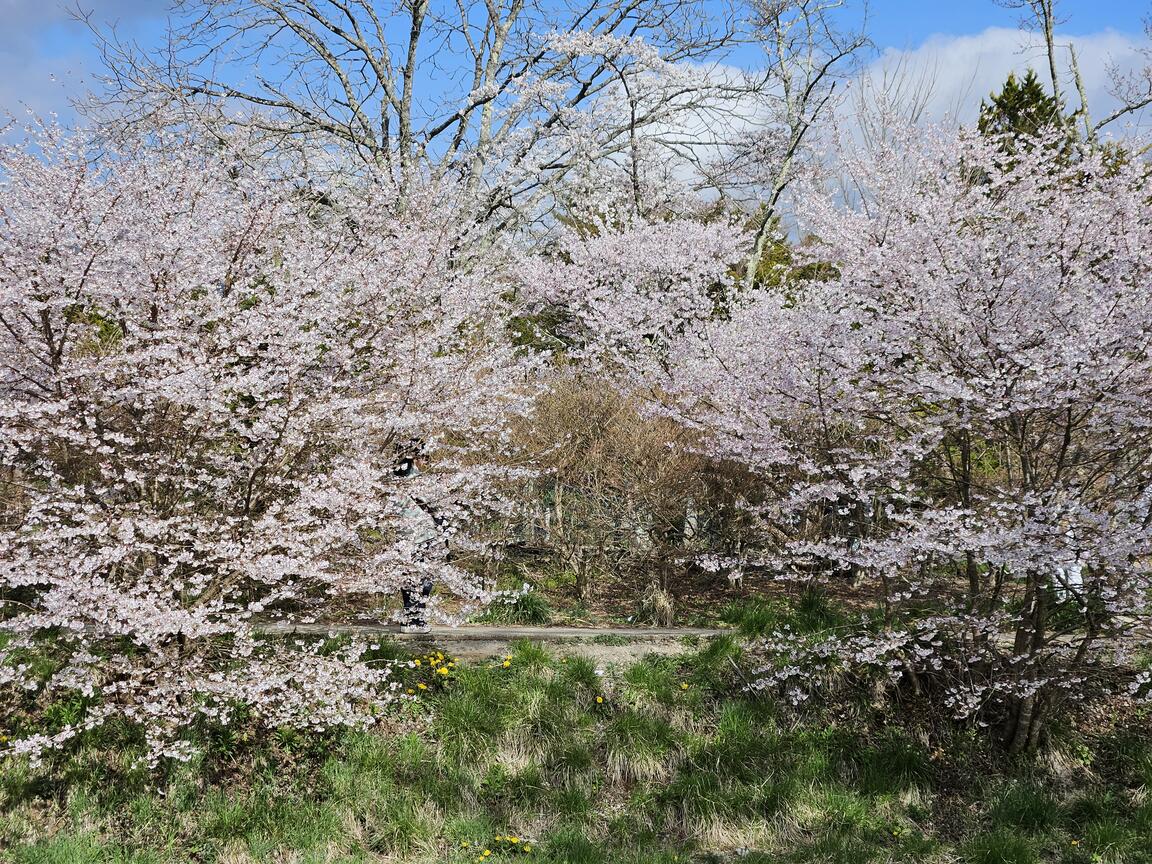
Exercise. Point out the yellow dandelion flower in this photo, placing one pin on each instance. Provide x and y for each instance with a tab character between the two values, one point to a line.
506	664
599	700
410	691
527	847
443	670
684	686
422	686
513	839
487	852
507	656
417	662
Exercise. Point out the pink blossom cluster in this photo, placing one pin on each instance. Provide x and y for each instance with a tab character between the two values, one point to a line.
206	378
951	409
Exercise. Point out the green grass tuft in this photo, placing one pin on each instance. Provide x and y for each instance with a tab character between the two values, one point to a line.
1001	847
531	608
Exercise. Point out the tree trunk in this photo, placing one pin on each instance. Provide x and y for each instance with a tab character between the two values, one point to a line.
1029	713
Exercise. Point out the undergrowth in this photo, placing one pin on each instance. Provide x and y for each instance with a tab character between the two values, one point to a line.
537	757
530	607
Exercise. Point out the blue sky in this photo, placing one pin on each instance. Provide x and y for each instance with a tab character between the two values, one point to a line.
45	58
908	23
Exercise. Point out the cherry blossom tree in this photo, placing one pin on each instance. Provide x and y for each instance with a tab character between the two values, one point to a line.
628	282
971	395
954	415
206	379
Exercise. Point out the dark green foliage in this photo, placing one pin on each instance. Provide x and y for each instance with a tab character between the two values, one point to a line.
1022	107
1023	114
778	270
1127	754
814	612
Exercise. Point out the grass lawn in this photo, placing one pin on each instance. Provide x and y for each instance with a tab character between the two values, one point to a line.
544	758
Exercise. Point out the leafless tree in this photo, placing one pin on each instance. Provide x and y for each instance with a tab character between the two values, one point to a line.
471	88
808	55
894	96
1040	15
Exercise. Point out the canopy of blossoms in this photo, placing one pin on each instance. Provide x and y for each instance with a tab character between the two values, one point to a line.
206	377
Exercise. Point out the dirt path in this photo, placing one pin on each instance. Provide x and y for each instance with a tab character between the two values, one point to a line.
602	644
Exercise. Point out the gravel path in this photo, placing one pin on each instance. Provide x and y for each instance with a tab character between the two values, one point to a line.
602	644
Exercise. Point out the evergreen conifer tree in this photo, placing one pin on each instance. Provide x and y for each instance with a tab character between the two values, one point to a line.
1024	111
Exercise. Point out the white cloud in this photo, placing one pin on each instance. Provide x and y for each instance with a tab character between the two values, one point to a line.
963	70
